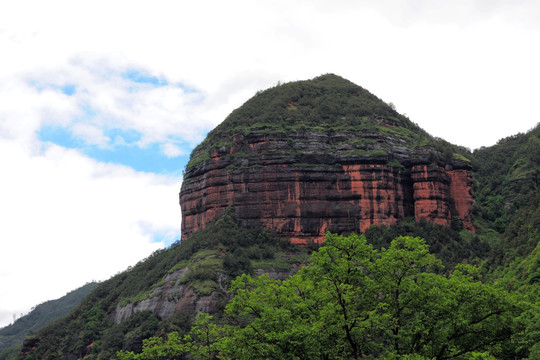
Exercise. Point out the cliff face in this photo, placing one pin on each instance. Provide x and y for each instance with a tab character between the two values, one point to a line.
173	296
302	181
301	200
169	299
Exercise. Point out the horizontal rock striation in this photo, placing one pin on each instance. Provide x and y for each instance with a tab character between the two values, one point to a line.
303	184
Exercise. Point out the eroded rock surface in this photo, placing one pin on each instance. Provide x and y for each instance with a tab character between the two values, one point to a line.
302	185
175	296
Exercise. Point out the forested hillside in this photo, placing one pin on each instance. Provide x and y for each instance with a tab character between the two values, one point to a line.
355	302
210	259
507	196
12	336
411	289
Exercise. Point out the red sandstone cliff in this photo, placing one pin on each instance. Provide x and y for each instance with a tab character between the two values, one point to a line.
302	201
323	155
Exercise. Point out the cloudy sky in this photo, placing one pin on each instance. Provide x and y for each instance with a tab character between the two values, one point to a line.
101	103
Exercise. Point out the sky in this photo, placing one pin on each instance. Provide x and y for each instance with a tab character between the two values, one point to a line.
101	103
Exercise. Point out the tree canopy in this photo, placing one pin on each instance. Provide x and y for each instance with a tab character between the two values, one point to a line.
353	301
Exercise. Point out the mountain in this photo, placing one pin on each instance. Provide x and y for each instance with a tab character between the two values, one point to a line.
163	292
308	157
507	198
293	162
41	315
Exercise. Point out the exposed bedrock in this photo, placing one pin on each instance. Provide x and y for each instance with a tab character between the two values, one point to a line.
302	185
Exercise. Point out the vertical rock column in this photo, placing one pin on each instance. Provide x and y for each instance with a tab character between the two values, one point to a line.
378	192
461	193
431	192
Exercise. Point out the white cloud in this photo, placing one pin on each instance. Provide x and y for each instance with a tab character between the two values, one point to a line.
90	134
418	54
102	100
171	150
464	70
67	219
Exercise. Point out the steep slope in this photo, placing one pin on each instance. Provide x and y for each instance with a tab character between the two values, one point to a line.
507	194
323	155
41	315
163	292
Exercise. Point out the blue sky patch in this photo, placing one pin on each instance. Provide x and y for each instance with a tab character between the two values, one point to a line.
187	89
167	240
60	136
68	90
141	77
126	152
123	136
148	159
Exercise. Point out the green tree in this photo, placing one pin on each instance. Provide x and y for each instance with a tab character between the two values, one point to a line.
356	302
353	301
202	343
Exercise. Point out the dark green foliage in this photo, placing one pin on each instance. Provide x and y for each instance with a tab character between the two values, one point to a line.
521	234
451	245
237	262
507	198
355	302
41	315
522	276
200	343
129	334
11	353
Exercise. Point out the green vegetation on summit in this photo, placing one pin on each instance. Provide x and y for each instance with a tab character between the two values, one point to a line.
406	291
325	104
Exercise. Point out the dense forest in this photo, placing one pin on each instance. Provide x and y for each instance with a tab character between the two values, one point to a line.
355	302
412	290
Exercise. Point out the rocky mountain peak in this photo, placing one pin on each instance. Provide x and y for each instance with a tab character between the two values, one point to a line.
307	157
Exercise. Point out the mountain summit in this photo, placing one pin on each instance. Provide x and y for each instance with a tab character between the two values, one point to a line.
322	155
308	157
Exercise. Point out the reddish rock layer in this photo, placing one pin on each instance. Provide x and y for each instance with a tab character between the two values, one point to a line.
461	194
302	197
431	189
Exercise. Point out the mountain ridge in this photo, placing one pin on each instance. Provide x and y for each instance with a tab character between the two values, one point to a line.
41	315
118	315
